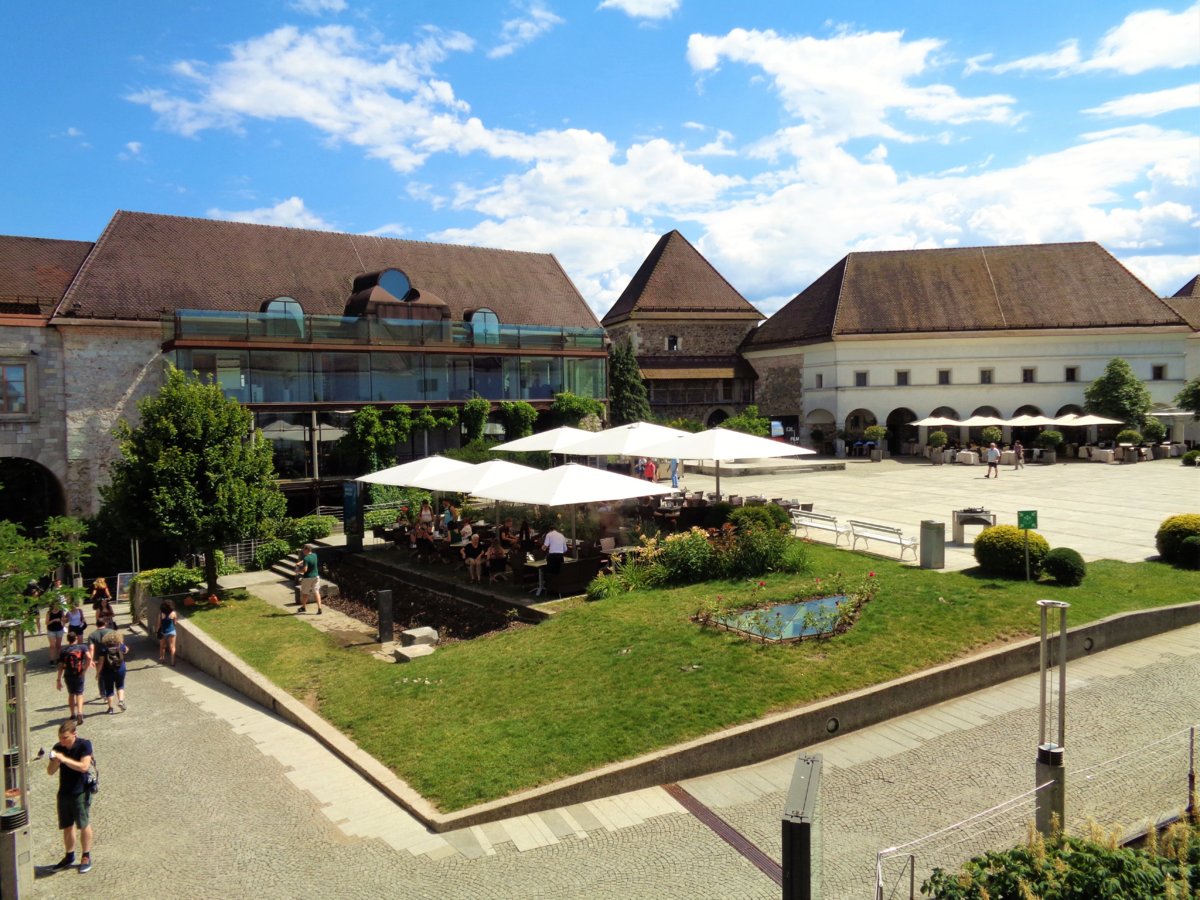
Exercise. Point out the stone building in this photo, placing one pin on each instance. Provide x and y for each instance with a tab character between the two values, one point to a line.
303	327
892	337
685	323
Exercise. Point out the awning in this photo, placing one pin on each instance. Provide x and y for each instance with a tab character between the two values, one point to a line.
688	373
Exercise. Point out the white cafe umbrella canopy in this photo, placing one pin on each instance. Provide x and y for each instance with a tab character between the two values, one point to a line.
1030	421
931	421
477	478
977	421
571	485
720	444
633	439
1089	419
556	440
415	474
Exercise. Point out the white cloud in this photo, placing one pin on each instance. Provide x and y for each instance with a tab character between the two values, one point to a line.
719	146
290	213
1155	103
1164	274
643	9
1152	39
536	20
74	132
850	84
133	150
318	7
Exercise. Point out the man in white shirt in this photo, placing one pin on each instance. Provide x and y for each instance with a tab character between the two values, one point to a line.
555	546
993	461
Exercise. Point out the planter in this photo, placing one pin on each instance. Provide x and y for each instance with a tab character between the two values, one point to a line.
937	456
1049	457
876	455
1159	452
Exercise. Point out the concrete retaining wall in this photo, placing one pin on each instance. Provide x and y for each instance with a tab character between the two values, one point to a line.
743	745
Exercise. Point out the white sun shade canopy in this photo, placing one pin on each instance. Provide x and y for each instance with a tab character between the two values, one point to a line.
556	440
935	421
624	440
1089	419
479	477
1029	421
571	484
416	473
724	444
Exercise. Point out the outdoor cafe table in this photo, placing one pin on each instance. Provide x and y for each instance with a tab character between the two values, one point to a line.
540	565
967	457
1104	456
1008	457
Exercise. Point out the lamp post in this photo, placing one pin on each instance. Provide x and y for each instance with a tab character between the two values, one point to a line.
1051	768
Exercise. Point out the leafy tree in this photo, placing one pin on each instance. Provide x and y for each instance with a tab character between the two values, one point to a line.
683	423
749	421
369	440
627	400
474	417
27	559
1118	394
517	417
428	420
193	472
1189	397
571	409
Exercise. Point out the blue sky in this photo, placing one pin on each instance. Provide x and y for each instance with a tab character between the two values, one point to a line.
777	137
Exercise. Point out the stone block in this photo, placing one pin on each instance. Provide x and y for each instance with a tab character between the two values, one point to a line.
416	651
419	636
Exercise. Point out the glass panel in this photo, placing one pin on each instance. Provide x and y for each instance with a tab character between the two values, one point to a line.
489	377
546	337
509	336
400	331
395	283
447	377
335	461
195	323
342	376
289	434
14	389
541	377
339	330
585	377
280	376
397	377
485	327
228	368
512	377
283	319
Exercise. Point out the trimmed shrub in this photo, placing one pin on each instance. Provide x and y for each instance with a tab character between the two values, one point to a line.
747	517
687	557
1191	458
937	439
1171	535
311	528
1065	566
1129	436
178	579
1191	552
717	514
991	435
755	552
1153	431
373	518
1000	551
1049	439
269	552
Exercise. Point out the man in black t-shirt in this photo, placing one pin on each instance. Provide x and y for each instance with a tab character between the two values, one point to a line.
71	758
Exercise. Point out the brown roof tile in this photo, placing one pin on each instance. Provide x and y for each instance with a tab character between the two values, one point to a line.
1191	289
35	272
675	277
145	263
967	289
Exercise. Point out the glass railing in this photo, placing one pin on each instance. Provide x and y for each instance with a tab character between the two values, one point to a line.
205	325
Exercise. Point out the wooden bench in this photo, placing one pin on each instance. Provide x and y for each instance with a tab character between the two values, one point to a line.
807	519
869	531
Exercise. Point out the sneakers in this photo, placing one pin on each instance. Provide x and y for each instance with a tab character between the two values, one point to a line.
65	863
121	703
319	610
302	610
110	711
79	720
85	864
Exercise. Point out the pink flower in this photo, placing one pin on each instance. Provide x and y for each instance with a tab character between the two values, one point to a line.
818	581
870	574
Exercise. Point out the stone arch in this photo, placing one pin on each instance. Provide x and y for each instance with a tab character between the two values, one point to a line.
31	494
900	428
716	417
1070	408
859	420
1027	410
987	411
946	412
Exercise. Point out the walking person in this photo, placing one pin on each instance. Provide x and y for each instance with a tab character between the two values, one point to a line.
100	592
993	461
1018	456
71	758
111	669
555	546
651	470
166	630
76	620
73	664
56	626
310	578
675	473
95	645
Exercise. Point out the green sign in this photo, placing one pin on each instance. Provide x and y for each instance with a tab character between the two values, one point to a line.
1027	518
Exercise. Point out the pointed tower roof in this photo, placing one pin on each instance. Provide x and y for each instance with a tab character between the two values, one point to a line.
1186	302
676	278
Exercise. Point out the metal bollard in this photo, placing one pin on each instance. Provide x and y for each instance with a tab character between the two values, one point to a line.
383	601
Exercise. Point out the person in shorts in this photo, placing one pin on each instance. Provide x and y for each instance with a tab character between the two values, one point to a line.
110	669
310	580
71	758
73	664
95	645
56	627
993	461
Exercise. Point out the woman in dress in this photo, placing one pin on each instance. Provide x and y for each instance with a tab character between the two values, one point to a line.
166	630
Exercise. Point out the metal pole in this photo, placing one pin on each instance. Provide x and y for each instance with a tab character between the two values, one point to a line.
1042	680
1062	676
1191	804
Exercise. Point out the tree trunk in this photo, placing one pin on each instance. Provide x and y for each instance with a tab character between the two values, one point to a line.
210	569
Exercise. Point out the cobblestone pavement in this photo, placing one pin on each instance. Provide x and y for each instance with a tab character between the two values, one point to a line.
205	795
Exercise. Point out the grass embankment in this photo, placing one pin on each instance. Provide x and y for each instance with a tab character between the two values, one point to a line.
611	680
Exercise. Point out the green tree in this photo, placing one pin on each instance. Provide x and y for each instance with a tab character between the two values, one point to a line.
683	423
474	417
1189	397
1118	394
627	400
193	472
517	417
749	421
25	559
571	409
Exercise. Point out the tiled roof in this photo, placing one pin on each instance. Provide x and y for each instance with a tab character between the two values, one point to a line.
145	264
1191	289
1186	302
34	272
676	278
967	289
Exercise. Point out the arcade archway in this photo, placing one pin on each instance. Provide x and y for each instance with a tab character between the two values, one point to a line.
30	494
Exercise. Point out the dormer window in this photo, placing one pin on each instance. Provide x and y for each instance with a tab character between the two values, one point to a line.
395	283
285	316
485	325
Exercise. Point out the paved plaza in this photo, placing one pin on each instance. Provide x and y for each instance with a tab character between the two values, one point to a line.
208	795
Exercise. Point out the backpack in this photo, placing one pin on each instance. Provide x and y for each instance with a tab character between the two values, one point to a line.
113	656
91	778
76	660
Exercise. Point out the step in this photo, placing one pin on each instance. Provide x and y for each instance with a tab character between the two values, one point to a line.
416	651
418	636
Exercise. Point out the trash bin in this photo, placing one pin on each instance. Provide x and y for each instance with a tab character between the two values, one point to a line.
933	544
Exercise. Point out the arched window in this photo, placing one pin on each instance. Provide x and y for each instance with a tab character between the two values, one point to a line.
395	283
485	326
285	317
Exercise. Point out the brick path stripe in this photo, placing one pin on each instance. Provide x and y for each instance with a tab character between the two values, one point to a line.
727	833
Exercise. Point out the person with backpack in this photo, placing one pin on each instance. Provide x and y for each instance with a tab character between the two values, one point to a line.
73	665
111	671
95	645
72	759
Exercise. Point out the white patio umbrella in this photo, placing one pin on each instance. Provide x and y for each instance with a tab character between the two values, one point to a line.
416	473
720	444
1089	419
1067	419
477	478
571	485
931	421
556	440
1029	421
634	439
978	421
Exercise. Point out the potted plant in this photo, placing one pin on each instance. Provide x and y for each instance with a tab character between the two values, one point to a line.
1154	433
1128	440
991	435
1049	440
875	434
937	440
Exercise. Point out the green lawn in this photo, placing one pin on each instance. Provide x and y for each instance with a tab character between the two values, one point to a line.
606	681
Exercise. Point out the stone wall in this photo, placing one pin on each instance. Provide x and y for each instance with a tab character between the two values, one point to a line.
108	369
37	435
696	338
780	388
